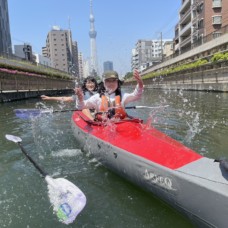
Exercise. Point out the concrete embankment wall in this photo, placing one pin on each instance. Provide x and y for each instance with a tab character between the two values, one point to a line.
20	95
205	78
21	86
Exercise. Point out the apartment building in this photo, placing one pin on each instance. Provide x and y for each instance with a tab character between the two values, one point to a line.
200	20
61	50
41	60
147	53
80	65
168	49
5	37
84	66
75	61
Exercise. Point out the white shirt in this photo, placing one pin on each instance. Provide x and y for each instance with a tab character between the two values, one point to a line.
87	95
94	102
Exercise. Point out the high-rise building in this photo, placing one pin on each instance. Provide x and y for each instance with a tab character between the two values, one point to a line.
61	50
80	65
5	37
200	20
24	51
108	65
93	48
75	66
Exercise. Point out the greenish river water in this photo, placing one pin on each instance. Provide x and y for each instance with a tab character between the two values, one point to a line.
197	119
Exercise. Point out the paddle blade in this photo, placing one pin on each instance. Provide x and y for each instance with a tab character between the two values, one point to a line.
30	113
67	199
149	107
13	138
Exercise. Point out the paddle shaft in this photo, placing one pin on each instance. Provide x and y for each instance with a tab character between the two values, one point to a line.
149	107
67	110
29	113
31	160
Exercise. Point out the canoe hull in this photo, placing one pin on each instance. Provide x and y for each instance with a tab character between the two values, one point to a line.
196	189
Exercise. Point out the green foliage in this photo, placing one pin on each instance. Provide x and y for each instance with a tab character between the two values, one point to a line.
187	66
128	75
219	57
183	67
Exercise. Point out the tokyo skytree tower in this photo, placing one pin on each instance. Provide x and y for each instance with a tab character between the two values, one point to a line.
93	49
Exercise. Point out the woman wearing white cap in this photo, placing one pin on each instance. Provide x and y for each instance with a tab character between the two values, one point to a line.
110	100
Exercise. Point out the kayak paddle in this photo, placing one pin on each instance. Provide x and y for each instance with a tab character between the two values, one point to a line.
66	198
30	113
149	107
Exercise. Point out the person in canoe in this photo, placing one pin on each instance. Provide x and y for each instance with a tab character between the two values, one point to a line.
110	101
89	88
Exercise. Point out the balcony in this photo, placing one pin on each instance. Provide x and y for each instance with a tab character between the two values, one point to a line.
186	29
186	16
186	4
185	41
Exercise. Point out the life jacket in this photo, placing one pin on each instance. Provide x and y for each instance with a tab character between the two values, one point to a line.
106	108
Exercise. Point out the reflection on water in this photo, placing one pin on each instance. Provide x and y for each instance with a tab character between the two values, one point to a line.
197	119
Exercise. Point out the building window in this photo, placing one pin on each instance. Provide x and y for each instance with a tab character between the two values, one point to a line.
200	24
217	20
216	34
199	8
216	3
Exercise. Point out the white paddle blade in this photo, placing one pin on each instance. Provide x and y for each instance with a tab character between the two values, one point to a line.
13	138
164	106
67	199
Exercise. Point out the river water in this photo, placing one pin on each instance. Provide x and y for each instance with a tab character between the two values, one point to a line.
197	119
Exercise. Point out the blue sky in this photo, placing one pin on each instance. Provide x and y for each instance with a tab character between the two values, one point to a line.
119	24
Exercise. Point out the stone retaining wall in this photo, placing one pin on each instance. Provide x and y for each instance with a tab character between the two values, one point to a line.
22	86
204	79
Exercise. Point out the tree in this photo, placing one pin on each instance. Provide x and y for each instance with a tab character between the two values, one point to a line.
128	75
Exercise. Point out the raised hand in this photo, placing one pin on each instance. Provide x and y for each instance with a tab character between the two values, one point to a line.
138	78
79	94
44	97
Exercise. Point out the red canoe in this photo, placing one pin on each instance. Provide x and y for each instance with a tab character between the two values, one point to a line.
195	185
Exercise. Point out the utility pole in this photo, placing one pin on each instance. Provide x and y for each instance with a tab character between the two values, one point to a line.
161	49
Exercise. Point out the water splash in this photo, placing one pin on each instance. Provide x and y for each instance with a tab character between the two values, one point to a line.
193	128
154	116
